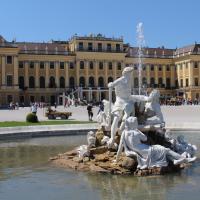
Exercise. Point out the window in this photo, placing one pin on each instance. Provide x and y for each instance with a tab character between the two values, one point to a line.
181	82
71	65
160	68
91	81
21	64
51	65
118	47
9	80
110	65
160	82
196	81
31	65
152	82
143	67
42	82
100	65
186	65
168	68
71	82
101	82
90	46
62	82
108	47
81	64
195	64
82	81
91	65
186	82
32	99
144	81
99	46
180	66
21	82
152	67
80	46
52	83
42	98
136	82
31	82
9	60
110	79
119	66
41	65
9	98
62	65
135	66
168	83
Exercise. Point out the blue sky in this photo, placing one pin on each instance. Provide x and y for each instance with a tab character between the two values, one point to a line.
172	23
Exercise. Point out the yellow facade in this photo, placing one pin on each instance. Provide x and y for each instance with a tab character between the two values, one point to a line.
83	66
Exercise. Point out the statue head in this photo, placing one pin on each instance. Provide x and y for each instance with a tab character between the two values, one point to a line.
131	123
127	70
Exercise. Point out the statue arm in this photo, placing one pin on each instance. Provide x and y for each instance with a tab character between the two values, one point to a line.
143	137
115	83
141	98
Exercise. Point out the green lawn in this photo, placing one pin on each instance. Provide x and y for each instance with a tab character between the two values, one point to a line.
53	122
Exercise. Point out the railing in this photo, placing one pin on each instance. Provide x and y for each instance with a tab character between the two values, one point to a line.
42	52
102	50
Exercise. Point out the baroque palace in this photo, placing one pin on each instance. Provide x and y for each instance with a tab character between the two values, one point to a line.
84	65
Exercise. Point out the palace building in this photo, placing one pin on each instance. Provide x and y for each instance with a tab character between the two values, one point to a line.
84	65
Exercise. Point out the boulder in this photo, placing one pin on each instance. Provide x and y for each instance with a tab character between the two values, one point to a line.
129	163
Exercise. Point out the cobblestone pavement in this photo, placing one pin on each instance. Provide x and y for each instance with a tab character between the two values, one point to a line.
172	114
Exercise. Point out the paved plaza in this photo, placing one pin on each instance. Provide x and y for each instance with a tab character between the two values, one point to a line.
186	116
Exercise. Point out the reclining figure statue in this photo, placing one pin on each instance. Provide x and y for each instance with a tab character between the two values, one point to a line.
147	156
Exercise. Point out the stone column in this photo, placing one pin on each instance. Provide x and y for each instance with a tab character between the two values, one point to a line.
156	74
191	74
115	70
172	71
16	84
47	74
184	77
3	72
67	74
106	73
57	74
164	75
77	73
26	74
96	73
37	74
87	73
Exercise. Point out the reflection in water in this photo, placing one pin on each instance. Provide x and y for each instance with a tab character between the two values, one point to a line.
24	171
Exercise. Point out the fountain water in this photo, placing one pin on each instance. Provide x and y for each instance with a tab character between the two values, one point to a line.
140	43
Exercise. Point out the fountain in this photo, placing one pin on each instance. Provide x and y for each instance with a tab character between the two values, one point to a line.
131	138
140	43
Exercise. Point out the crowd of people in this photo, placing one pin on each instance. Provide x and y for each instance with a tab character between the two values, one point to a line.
180	101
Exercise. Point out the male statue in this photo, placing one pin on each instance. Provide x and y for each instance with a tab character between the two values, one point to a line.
124	104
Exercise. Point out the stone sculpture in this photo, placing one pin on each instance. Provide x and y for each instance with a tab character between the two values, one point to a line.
147	156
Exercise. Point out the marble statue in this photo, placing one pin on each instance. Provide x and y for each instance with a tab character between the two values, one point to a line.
103	117
124	104
91	139
152	109
182	147
147	156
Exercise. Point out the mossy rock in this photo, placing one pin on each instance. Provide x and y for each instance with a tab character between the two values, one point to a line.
31	117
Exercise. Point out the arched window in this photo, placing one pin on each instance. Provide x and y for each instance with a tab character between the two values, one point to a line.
31	82
101	82
21	82
52	83
91	81
82	81
144	81
152	82
62	82
168	84
110	79
71	82
42	82
136	82
160	82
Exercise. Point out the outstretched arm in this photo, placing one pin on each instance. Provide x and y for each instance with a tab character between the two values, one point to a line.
116	82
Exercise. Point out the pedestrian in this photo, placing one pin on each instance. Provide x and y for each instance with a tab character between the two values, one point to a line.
34	108
90	113
55	105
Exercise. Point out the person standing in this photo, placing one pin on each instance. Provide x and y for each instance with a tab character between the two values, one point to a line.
90	113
